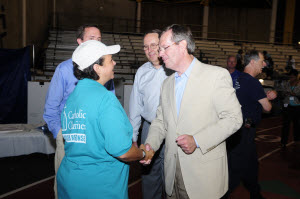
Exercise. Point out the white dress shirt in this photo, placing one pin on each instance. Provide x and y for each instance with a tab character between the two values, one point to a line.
144	98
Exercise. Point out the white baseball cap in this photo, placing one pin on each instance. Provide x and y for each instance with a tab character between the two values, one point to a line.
90	51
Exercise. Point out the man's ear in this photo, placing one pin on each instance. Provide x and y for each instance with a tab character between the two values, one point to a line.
183	44
79	41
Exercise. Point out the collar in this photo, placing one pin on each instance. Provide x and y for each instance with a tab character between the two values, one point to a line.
152	66
188	71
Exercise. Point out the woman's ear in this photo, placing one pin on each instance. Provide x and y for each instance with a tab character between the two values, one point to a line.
96	68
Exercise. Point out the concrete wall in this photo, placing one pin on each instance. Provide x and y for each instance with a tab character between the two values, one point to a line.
38	15
223	23
13	18
239	23
119	16
162	15
71	14
38	21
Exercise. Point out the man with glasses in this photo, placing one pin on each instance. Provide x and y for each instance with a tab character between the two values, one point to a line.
198	110
144	100
62	85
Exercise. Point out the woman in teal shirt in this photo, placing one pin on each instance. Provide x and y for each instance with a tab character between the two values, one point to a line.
96	130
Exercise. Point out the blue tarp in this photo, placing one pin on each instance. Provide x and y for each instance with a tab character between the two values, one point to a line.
14	75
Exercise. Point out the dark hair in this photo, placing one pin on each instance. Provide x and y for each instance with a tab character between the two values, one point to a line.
240	51
153	31
293	72
81	30
253	54
180	33
88	72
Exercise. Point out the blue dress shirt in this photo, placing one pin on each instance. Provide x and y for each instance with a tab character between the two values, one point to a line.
62	85
180	83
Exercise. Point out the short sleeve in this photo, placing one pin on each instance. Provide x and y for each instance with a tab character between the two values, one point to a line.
257	90
115	126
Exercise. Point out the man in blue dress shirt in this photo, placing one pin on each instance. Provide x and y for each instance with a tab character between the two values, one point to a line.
144	100
198	110
62	85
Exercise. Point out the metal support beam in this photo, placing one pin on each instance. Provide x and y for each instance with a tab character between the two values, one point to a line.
205	20
138	16
289	21
54	13
24	23
273	21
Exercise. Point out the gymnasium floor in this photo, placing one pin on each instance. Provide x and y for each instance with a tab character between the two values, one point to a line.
32	177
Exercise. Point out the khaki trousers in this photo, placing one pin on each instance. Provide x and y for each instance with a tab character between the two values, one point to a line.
179	191
59	155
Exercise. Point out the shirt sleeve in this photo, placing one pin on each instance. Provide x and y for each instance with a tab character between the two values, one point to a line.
135	108
53	100
257	91
115	126
228	110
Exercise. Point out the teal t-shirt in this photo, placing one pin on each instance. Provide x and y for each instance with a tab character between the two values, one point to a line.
96	130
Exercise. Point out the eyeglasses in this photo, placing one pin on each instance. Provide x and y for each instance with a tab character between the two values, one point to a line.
161	49
152	47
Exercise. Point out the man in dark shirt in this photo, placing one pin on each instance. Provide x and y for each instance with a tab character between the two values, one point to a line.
242	156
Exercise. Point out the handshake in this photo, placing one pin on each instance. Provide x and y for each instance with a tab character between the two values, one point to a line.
149	153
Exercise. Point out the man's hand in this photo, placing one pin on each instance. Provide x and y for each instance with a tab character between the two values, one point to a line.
186	143
149	154
271	95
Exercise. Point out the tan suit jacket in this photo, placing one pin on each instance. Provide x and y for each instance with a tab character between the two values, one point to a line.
210	112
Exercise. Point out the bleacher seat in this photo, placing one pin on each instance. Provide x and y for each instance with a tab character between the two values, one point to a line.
63	43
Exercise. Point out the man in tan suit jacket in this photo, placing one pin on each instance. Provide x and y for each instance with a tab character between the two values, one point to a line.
198	110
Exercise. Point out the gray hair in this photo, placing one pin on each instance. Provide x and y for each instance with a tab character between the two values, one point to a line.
251	55
180	33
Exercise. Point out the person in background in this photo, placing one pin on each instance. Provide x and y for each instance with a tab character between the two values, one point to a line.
291	109
144	100
96	130
268	69
242	156
290	64
62	84
231	67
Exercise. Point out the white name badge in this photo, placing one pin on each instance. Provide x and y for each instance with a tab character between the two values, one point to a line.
285	105
292	98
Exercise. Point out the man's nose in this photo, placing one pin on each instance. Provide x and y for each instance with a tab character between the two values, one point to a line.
160	53
264	64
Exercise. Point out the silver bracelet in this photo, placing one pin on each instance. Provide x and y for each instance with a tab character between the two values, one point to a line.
144	154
